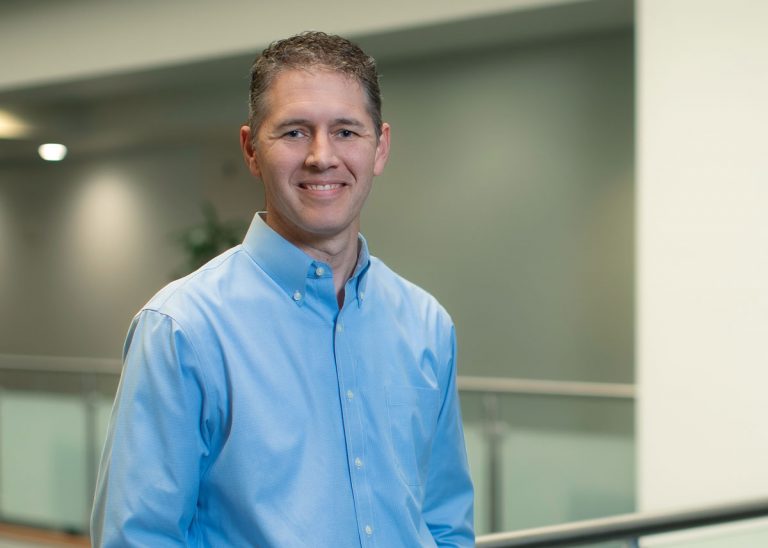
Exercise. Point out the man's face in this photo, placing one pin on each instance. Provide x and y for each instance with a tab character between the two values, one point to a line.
316	152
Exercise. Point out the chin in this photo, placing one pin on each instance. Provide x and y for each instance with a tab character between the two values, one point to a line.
327	230
324	225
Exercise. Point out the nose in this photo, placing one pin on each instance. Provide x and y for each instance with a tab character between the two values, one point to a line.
321	154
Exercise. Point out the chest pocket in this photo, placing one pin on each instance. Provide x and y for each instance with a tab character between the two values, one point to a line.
412	419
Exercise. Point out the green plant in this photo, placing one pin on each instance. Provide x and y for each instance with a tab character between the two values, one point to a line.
203	242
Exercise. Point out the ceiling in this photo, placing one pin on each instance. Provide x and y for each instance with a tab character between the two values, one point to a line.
208	98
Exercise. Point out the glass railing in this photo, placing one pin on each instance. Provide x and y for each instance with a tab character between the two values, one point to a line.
540	452
53	421
745	526
544	452
751	534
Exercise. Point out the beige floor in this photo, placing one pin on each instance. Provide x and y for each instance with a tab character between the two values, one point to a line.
19	544
16	543
15	536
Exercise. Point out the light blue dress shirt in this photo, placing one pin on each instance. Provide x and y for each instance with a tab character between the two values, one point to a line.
252	411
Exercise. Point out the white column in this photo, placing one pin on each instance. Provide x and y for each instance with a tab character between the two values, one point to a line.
702	295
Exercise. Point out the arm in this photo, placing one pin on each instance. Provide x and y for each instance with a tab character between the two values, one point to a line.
147	489
449	497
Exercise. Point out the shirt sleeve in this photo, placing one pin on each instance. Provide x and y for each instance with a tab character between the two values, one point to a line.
449	498
147	489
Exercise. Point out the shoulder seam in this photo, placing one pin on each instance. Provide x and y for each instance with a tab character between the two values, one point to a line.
186	332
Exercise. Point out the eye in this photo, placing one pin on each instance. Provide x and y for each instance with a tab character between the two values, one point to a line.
293	134
345	133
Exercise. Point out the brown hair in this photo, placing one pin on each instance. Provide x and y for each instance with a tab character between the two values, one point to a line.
308	50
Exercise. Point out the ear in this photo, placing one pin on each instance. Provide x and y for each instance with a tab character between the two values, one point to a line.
382	150
249	155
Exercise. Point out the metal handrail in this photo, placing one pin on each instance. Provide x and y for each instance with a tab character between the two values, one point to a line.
509	385
60	364
628	527
466	383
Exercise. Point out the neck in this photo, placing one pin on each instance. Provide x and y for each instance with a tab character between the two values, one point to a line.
340	251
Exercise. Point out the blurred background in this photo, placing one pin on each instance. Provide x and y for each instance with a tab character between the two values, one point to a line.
581	183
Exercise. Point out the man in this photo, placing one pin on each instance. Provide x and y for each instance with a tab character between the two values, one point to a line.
294	391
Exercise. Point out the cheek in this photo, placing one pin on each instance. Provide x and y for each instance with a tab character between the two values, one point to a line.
364	159
276	167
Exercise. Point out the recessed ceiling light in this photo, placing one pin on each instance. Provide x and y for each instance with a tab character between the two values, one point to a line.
52	152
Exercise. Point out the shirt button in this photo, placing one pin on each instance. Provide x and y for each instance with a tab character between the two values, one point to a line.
368	530
350	394
319	271
358	462
362	295
297	295
339	328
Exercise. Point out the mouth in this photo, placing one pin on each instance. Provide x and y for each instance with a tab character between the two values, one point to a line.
321	186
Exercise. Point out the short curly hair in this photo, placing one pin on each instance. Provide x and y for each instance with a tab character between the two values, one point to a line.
308	50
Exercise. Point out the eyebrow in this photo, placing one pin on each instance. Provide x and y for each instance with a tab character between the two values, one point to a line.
305	122
348	122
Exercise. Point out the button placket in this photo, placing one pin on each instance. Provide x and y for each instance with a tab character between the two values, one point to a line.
351	412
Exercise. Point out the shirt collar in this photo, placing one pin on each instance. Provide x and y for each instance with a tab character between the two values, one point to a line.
289	266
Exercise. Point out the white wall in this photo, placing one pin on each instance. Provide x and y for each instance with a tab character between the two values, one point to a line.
91	240
510	195
703	251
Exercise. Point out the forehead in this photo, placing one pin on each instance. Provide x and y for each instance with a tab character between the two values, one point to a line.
315	91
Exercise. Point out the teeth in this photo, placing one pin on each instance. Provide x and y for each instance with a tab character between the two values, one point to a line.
323	187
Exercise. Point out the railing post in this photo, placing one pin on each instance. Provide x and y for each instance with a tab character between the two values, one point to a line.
91	447
90	399
494	429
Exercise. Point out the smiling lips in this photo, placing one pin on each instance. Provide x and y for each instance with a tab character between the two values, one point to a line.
325	186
